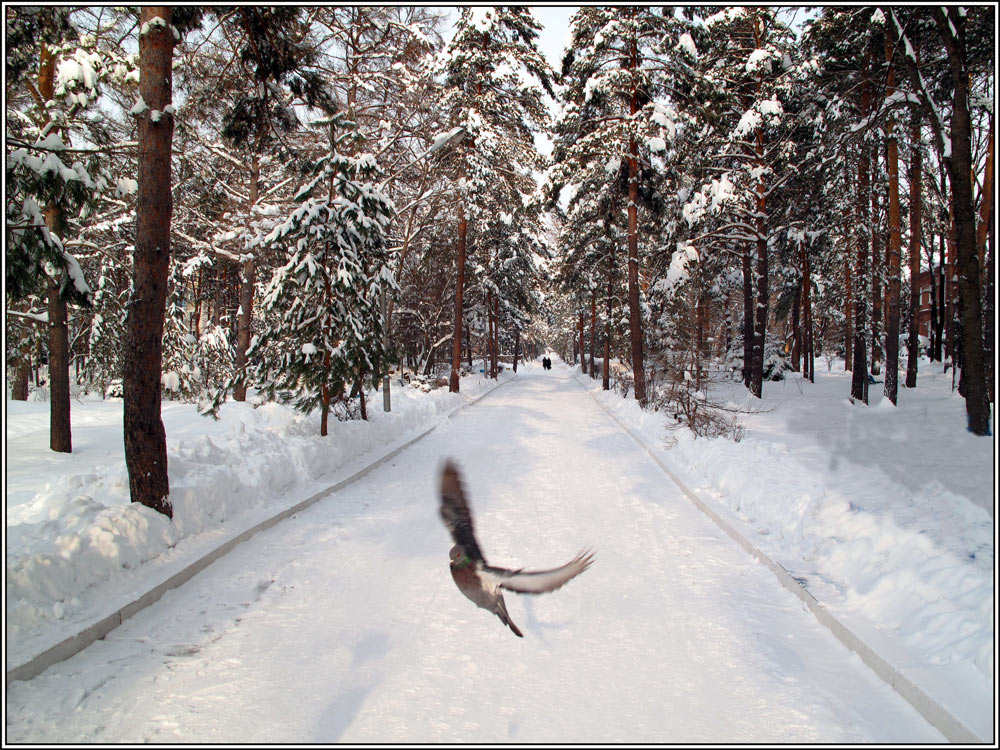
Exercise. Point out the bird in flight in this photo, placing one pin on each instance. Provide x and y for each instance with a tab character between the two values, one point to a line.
479	581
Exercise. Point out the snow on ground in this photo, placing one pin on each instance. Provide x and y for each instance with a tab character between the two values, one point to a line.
886	513
77	549
343	624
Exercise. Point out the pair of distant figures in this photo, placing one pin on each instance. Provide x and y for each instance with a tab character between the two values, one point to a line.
546	363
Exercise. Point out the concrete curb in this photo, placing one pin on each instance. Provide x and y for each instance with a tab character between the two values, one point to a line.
99	629
936	714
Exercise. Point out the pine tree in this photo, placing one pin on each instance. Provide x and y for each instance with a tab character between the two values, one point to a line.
494	80
45	196
614	70
327	330
749	59
145	437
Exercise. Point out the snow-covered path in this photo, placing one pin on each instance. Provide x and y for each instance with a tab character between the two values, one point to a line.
342	624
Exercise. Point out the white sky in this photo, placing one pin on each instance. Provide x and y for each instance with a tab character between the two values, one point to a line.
552	39
551	42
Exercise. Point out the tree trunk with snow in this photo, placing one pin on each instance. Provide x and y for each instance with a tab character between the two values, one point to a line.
859	373
606	368
248	282
877	267
456	346
951	26
848	315
984	232
895	242
593	332
145	438
60	433
634	310
913	323
796	328
748	298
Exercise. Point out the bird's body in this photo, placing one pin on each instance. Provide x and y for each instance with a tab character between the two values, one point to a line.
483	583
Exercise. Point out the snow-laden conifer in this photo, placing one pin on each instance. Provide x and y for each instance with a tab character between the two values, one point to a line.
323	302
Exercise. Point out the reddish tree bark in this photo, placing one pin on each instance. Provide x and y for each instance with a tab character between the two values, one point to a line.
747	268
891	388
951	27
606	368
593	332
634	311
859	373
848	316
796	329
456	345
916	175
60	433
145	438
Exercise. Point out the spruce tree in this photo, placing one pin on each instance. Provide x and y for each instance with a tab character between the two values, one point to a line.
324	300
494	82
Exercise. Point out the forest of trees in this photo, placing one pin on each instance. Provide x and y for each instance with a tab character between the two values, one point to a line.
310	204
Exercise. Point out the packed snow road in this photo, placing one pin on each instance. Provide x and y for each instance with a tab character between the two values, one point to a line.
342	624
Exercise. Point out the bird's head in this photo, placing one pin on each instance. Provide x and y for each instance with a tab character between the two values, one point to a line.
458	557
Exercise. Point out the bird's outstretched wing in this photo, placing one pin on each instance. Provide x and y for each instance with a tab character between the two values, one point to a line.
455	512
542	581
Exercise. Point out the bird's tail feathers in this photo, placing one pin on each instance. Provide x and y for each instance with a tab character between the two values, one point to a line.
505	618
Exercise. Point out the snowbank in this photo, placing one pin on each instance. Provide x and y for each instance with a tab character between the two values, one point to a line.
74	539
885	513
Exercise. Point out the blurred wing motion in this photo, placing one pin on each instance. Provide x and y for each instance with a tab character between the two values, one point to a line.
542	581
482	583
455	512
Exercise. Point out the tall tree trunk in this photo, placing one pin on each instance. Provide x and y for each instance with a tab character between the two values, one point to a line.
60	433
984	232
606	366
761	306
324	415
848	315
145	438
950	294
583	349
859	373
951	26
796	328
939	313
490	341
748	298
456	347
877	267
361	396
916	229
495	344
895	241
22	373
808	352
593	332
249	280
634	310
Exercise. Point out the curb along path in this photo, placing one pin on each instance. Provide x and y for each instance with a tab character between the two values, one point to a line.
936	714
101	627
